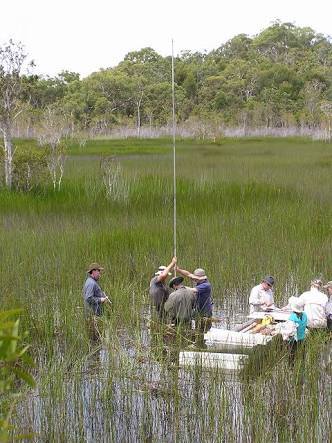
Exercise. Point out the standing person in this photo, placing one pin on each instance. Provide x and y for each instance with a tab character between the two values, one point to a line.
94	297
328	307
261	296
299	317
204	297
159	292
315	302
179	305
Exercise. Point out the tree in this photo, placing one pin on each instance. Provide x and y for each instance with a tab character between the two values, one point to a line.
53	131
12	58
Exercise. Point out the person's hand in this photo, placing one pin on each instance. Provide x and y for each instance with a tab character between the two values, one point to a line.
174	260
103	299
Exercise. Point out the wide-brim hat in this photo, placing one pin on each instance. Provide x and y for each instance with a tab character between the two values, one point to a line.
199	272
161	269
175	281
296	305
94	266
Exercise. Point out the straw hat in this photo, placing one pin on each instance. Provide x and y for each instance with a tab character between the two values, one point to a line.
94	266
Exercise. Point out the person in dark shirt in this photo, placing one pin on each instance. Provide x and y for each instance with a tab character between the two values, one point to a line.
179	305
159	292
204	300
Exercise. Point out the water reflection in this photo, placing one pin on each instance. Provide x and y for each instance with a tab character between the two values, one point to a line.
130	388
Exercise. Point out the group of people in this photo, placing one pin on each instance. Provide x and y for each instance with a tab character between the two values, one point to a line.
177	303
312	309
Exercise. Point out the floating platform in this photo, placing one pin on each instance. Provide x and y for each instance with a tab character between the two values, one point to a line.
233	338
228	362
235	345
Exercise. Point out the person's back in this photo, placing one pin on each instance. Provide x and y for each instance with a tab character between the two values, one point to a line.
204	299
301	320
180	303
159	294
314	302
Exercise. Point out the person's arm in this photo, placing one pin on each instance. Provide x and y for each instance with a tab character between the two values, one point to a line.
164	274
254	298
190	275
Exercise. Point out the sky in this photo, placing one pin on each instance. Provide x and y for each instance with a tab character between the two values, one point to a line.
85	36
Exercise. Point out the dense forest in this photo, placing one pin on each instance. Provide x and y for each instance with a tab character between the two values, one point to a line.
280	78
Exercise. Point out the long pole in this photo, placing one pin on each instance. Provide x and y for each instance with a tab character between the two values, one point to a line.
174	157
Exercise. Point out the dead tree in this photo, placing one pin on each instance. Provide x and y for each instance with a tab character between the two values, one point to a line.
12	58
52	135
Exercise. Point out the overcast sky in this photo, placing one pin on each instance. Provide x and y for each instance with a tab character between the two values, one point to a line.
84	36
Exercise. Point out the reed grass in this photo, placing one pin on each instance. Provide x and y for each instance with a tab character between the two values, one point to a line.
246	208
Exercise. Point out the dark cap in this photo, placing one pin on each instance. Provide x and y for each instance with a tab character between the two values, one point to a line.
269	280
175	281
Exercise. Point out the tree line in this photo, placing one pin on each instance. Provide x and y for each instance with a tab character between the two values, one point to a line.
279	78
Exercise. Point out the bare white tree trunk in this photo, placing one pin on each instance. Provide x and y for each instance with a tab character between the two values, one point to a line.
138	106
8	148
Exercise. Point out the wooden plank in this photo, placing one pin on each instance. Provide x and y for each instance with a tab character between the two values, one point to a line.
239	328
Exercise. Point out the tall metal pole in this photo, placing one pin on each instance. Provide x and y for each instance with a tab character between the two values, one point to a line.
174	157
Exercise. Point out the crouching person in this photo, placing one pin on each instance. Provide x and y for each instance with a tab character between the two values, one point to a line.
179	306
300	319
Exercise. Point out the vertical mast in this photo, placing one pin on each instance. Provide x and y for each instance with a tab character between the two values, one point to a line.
174	157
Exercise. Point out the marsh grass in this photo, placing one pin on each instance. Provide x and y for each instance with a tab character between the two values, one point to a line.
246	208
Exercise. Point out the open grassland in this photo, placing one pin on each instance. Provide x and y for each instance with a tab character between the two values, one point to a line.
246	208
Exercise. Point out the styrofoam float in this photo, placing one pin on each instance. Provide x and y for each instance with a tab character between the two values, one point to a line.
230	362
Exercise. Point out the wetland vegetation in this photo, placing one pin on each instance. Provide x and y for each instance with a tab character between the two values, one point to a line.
246	208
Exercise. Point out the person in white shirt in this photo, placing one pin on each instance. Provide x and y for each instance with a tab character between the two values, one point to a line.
328	307
261	296
314	302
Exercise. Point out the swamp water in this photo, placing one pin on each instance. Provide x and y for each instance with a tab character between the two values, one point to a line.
132	389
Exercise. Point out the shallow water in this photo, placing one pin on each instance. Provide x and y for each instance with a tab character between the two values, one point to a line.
139	393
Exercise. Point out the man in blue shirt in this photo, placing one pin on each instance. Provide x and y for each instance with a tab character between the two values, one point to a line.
94	297
204	298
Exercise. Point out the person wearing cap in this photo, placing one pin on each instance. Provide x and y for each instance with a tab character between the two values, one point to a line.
179	305
203	289
328	307
314	302
94	297
159	292
261	296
